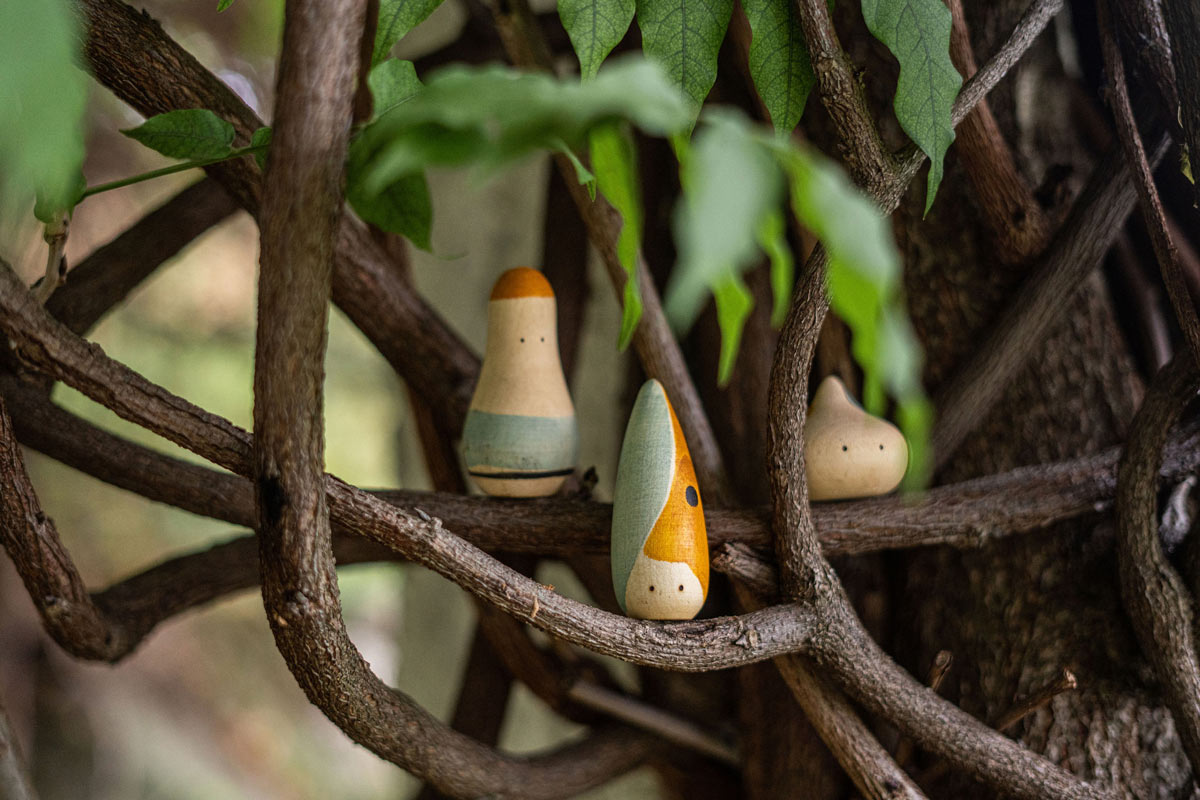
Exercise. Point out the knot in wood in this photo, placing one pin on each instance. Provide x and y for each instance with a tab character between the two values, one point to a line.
748	640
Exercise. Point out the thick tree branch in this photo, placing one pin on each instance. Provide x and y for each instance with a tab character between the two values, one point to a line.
109	274
1093	224
1157	601
1012	214
129	53
1143	179
843	97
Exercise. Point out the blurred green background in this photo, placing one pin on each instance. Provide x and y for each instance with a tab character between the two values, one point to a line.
206	708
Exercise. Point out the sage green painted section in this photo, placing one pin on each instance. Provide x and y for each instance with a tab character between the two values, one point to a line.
515	442
644	474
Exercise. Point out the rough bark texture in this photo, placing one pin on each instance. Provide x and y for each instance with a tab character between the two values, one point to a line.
1014	613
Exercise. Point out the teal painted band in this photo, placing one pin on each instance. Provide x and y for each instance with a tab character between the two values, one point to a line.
519	443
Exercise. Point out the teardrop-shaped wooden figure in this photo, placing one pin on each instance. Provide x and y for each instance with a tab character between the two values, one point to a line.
659	542
520	438
848	452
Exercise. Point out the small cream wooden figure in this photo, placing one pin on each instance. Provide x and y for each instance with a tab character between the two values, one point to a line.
659	542
848	452
520	438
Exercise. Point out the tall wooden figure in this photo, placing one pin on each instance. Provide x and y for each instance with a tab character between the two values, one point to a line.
520	437
659	542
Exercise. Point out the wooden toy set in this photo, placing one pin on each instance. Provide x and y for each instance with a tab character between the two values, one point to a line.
521	440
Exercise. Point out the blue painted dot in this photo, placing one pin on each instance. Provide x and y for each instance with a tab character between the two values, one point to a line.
692	498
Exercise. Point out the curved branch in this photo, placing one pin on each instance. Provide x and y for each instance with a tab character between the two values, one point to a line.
129	53
1157	600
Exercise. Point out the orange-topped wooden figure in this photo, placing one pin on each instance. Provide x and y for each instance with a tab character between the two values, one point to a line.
659	542
520	438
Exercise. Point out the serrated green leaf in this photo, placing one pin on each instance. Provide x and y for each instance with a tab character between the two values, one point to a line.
194	134
733	301
493	116
614	160
43	94
582	173
396	18
772	238
731	185
918	34
261	138
223	4
685	37
595	28
392	82
779	62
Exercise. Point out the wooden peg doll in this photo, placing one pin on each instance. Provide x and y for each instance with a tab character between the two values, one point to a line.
659	543
848	452
520	438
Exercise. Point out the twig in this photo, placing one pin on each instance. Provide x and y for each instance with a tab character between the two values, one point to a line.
112	271
1011	213
655	344
937	673
1065	682
1094	222
654	720
1153	340
1032	23
55	234
843	97
14	779
1143	179
1157	601
1145	31
126	49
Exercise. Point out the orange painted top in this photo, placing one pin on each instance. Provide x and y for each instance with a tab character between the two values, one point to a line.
521	282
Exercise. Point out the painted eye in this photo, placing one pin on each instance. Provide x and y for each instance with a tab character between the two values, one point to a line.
880	447
844	448
543	338
692	498
652	588
681	587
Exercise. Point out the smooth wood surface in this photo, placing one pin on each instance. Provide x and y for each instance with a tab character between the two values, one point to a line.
849	453
659	541
520	438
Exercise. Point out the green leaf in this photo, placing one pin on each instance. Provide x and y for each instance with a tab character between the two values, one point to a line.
396	18
392	82
43	94
772	238
595	28
779	62
918	34
582	173
46	209
402	206
614	160
685	36
731	185
734	301
195	134
223	4
261	139
494	116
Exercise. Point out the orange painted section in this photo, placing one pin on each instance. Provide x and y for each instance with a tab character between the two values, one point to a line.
679	533
521	282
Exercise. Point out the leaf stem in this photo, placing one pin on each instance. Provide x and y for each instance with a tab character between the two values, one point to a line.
171	170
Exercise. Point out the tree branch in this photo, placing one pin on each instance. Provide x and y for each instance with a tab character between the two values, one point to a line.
1089	231
843	97
129	53
1157	601
1011	213
1143	180
1183	20
112	271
